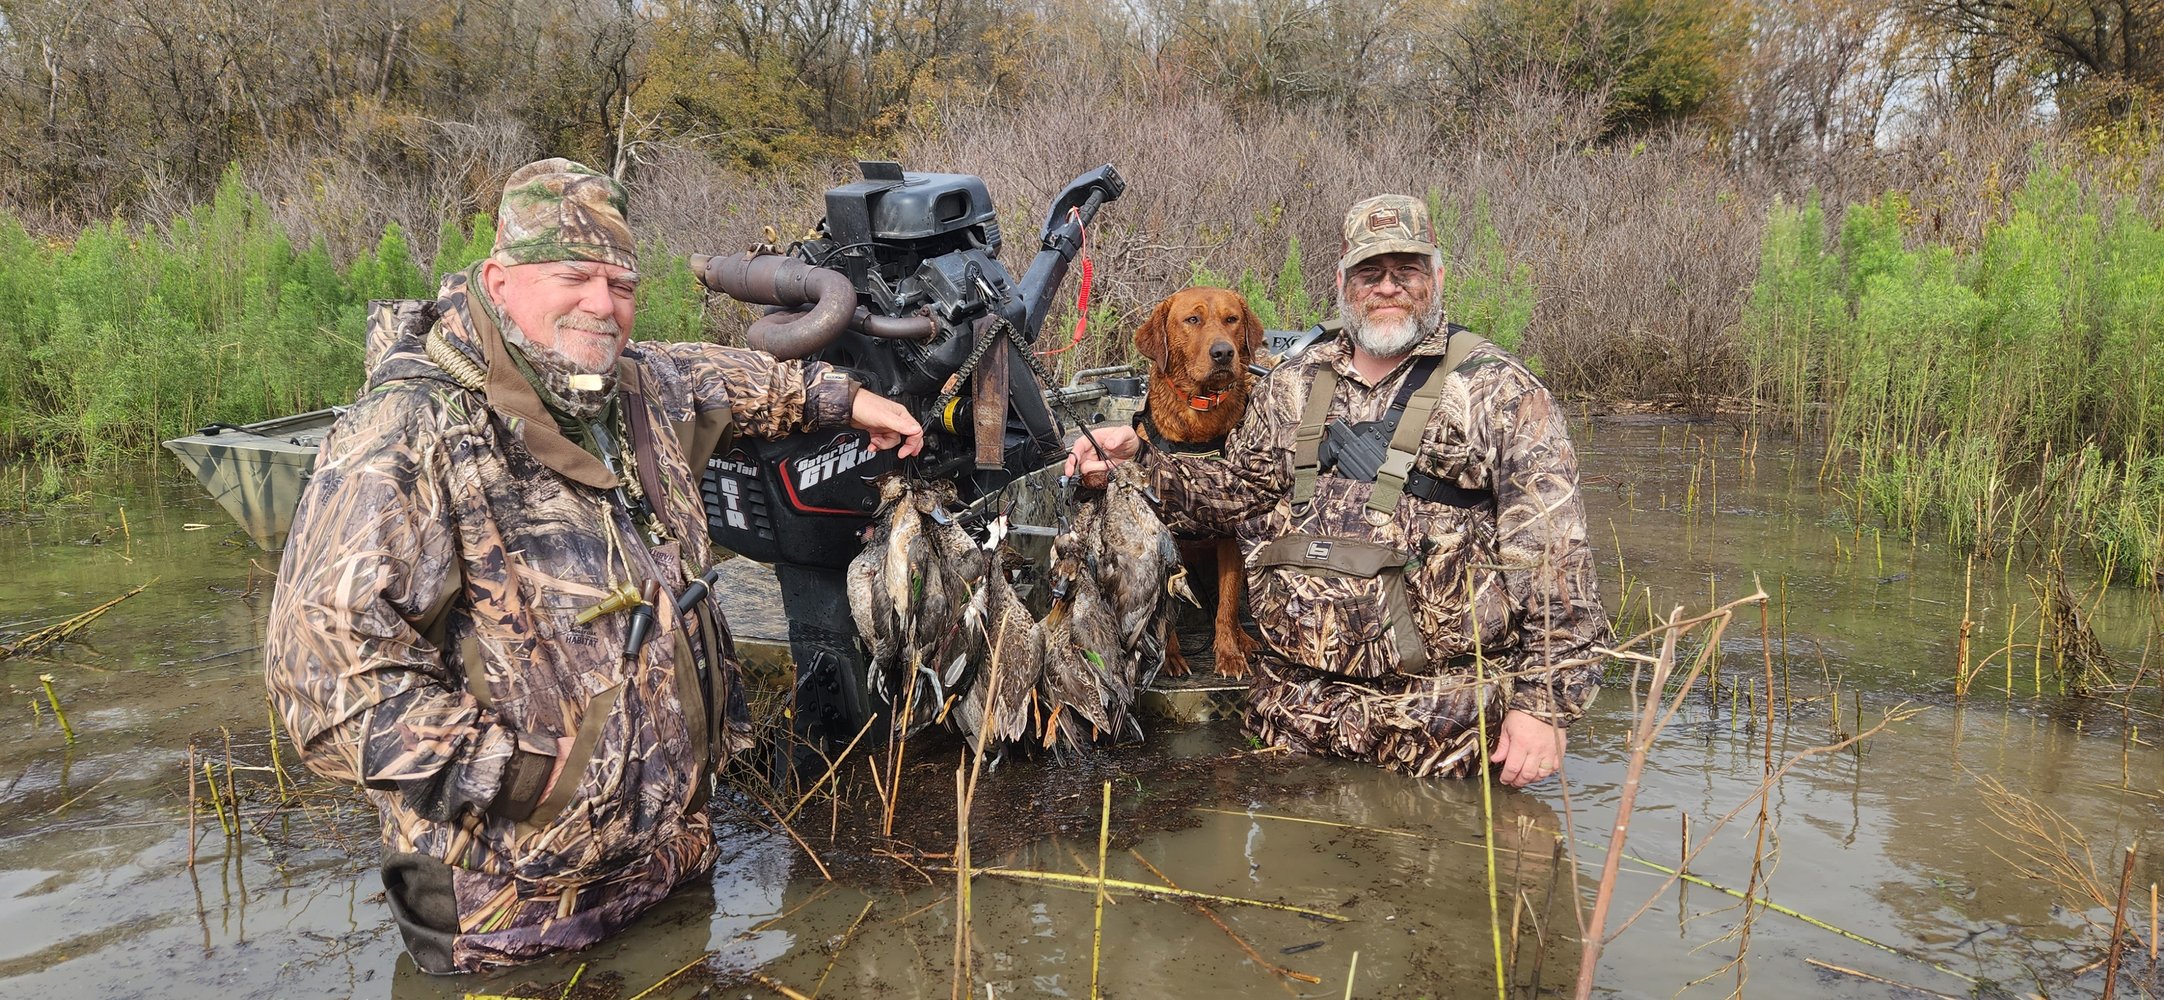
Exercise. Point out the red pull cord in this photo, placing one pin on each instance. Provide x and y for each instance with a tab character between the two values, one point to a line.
1082	298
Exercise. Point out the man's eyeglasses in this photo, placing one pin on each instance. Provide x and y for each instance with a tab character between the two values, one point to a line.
1403	275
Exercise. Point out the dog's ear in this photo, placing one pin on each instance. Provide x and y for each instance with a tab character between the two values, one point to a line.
1250	332
1151	340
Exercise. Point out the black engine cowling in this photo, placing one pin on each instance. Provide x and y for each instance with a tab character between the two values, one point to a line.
920	251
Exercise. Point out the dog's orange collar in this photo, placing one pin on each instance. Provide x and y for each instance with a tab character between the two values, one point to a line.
1208	400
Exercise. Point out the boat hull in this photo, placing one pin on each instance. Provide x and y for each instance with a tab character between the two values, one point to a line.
257	472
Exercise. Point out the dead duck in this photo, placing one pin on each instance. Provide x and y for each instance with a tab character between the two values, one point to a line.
1084	691
1138	568
907	590
997	706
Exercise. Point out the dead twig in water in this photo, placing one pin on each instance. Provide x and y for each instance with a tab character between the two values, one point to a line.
79	796
2050	848
44	637
1146	889
1254	956
1081	864
1769	905
900	746
671	977
1896	714
791	831
255	568
1649	726
774	812
1652	720
832	766
1097	936
918	912
1763	825
965	795
879	784
1830	967
191	808
1252	814
278	769
778	988
769	922
961	987
2118	925
232	795
921	873
2081	663
839	945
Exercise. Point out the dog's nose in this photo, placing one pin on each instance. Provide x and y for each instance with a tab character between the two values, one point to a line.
1221	353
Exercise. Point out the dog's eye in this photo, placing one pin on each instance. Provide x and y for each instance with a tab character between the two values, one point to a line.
1232	321
1192	320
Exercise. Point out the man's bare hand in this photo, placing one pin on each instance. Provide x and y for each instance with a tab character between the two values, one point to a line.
888	421
1119	444
1528	749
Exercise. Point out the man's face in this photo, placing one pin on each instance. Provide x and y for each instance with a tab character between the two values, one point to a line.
1390	302
580	310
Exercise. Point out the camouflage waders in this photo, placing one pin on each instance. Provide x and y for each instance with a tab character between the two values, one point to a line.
425	639
1499	566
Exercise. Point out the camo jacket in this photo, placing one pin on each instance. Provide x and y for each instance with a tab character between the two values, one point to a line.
1514	583
423	641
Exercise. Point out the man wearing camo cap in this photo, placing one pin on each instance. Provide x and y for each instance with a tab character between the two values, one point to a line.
489	529
1407	503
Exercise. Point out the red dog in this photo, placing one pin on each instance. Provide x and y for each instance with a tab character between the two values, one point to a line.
1200	342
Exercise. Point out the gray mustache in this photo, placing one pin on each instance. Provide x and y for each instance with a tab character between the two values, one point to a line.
588	324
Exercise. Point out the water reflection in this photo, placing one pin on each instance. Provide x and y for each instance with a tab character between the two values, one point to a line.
1894	842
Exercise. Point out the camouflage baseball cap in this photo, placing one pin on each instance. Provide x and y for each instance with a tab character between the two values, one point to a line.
1387	223
556	209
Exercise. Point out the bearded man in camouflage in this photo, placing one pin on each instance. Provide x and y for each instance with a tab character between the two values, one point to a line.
1439	589
453	626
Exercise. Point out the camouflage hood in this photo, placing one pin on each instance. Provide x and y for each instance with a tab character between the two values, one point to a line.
477	353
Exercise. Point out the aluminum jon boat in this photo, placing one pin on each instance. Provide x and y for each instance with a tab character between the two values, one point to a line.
256	471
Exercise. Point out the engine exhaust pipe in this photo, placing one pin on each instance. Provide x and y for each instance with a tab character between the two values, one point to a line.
777	280
863	321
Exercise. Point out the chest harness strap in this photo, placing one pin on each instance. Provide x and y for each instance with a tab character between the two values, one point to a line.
1394	474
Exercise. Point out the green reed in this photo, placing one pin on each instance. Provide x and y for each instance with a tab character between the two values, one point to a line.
124	336
2004	391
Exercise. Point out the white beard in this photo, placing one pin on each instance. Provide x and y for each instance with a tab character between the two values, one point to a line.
1390	338
592	358
560	373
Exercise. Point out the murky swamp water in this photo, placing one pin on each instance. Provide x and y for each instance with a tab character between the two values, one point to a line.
1895	841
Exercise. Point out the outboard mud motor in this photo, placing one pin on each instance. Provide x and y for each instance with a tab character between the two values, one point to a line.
902	287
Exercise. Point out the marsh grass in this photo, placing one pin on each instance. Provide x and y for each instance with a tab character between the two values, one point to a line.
124	336
1995	390
2041	845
